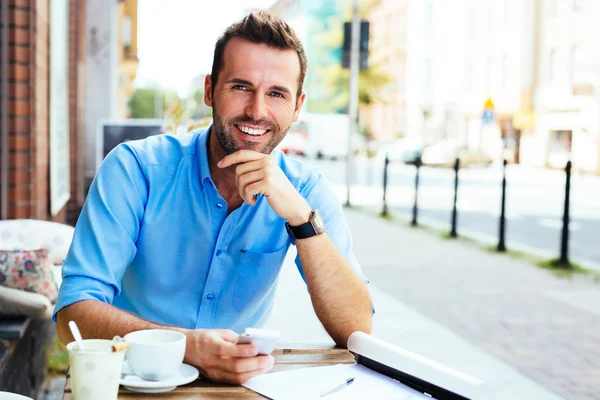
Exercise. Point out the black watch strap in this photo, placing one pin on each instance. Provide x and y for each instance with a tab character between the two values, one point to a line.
313	227
302	231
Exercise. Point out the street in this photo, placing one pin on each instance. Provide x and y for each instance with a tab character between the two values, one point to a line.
534	209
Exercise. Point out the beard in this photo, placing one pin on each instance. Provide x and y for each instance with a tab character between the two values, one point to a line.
223	130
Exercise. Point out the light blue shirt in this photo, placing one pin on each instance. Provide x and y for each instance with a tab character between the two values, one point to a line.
154	238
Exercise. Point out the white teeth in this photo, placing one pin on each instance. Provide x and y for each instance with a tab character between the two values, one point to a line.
250	131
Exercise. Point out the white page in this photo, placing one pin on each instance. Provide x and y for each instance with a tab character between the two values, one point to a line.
307	383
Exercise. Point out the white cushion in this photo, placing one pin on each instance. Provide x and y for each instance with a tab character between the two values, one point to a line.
15	302
30	234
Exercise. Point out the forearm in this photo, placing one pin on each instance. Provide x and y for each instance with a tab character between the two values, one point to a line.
339	296
98	320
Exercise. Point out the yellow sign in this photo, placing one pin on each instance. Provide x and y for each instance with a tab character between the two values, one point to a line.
489	104
524	120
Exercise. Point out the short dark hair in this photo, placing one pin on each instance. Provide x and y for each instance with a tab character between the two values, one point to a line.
263	28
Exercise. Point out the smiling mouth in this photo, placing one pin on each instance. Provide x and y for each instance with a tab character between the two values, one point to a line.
252	131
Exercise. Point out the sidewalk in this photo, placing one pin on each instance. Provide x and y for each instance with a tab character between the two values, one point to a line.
525	332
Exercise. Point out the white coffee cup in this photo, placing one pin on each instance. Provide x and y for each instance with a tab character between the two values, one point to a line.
155	354
95	371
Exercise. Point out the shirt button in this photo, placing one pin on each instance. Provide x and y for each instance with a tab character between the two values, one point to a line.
219	205
210	296
218	252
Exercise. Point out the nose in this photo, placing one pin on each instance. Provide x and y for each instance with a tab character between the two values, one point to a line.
257	108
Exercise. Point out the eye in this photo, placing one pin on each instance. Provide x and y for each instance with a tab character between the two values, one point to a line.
239	87
277	94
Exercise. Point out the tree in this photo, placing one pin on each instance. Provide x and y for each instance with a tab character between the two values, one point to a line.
196	106
329	79
144	100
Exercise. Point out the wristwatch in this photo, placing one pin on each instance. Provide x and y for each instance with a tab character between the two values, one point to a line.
314	226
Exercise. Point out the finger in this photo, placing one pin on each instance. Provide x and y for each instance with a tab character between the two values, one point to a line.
247	179
222	375
251	166
242	365
230	377
224	348
251	192
227	334
240	156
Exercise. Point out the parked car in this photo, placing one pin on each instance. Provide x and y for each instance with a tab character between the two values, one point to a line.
321	136
295	141
401	150
328	136
445	152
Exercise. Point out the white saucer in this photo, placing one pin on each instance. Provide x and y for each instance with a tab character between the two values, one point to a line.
13	396
187	374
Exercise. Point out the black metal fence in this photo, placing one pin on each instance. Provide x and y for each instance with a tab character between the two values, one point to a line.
563	259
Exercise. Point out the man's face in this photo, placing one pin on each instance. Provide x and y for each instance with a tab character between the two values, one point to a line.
254	101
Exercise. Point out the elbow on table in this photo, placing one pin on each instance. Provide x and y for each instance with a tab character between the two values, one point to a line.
364	326
62	327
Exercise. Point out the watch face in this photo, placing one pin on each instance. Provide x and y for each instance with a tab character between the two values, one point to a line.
317	222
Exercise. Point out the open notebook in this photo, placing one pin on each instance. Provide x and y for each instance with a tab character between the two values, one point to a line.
382	371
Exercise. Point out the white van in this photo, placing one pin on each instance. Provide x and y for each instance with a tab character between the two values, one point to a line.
328	136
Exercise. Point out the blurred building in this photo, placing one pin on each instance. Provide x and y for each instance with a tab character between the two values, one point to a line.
111	60
386	117
65	65
536	61
435	68
567	94
500	71
128	60
461	56
309	18
42	57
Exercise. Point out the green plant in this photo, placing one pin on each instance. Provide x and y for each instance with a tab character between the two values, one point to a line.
58	357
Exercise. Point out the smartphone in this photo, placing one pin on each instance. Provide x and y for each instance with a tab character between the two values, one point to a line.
264	339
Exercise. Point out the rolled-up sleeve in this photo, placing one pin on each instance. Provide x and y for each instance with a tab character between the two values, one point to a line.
104	243
320	195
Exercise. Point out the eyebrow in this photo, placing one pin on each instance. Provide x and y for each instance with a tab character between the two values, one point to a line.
248	83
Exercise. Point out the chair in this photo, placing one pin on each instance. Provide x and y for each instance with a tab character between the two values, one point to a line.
29	234
25	326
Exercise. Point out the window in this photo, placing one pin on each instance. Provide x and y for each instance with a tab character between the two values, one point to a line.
428	76
555	7
504	77
491	17
428	81
126	31
489	65
559	68
505	11
580	5
583	64
429	16
553	66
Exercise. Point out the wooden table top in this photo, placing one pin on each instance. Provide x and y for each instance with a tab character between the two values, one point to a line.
286	358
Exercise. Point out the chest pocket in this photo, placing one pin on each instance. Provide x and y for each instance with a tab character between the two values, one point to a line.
256	277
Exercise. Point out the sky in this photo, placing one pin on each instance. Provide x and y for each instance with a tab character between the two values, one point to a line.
176	38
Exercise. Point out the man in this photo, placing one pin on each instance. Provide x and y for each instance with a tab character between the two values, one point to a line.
189	231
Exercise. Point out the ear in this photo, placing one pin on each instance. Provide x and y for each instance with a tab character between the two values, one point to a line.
208	90
299	104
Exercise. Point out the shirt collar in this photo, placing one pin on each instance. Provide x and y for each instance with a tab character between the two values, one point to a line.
202	152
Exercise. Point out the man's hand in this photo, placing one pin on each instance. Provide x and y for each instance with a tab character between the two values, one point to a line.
257	173
220	359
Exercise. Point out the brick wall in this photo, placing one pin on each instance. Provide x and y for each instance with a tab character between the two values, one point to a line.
28	109
76	102
41	117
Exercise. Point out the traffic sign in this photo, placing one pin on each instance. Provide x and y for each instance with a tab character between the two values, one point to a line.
489	112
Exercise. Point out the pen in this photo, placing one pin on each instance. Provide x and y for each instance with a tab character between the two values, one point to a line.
337	386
